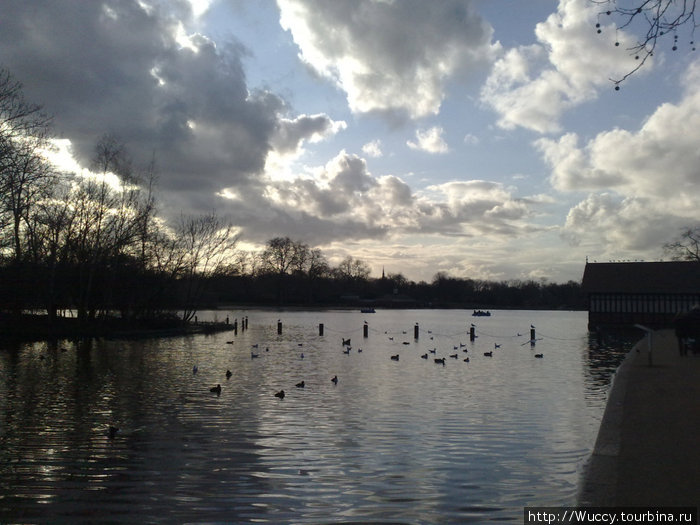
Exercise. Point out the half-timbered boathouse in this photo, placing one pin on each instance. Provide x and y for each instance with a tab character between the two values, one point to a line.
648	293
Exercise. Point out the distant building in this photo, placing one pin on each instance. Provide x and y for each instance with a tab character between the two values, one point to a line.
628	293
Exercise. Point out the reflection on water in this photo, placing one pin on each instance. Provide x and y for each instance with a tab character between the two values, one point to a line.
406	441
605	353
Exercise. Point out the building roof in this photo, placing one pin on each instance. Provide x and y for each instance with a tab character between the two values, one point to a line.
642	277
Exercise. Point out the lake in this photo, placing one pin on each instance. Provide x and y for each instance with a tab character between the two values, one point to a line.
393	441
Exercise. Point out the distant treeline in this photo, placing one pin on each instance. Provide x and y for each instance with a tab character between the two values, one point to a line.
286	273
392	291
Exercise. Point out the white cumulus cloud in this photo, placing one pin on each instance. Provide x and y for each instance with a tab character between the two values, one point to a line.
643	184
429	140
373	149
659	161
391	57
532	86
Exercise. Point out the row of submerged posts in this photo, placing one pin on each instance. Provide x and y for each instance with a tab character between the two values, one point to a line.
416	330
244	324
365	329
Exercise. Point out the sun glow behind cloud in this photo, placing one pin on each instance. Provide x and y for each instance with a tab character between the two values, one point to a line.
60	155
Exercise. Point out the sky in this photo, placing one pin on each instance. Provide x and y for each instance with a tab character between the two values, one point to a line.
481	138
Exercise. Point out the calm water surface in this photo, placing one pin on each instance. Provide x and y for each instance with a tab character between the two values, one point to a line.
407	441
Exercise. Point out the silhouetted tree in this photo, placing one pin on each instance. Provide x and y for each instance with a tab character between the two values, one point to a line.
204	244
284	257
277	256
25	177
352	269
52	229
686	247
107	225
398	280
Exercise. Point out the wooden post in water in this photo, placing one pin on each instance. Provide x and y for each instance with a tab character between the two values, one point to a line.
472	334
320	329
365	330
532	335
415	332
235	327
279	327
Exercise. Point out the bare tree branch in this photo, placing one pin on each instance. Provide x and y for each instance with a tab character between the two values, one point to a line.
651	21
686	247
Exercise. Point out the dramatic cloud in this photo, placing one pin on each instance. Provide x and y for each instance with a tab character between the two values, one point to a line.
391	57
531	86
118	68
186	100
129	69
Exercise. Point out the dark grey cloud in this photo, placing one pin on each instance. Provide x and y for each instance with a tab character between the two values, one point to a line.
117	67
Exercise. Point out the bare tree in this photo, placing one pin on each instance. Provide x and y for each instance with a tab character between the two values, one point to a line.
243	263
652	21
686	247
107	226
25	174
205	244
318	265
25	177
353	269
301	258
19	117
399	280
51	229
280	255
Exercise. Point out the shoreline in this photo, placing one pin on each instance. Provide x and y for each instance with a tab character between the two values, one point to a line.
599	477
31	328
646	451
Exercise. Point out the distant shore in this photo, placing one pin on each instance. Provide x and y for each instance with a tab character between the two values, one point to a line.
38	327
29	327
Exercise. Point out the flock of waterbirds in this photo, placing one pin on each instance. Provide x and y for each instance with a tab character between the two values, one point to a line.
346	349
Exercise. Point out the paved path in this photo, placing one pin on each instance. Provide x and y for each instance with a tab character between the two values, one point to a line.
648	447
